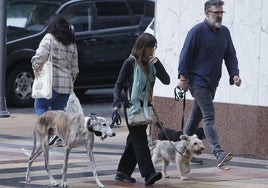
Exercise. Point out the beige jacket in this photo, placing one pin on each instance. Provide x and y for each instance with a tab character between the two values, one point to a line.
65	62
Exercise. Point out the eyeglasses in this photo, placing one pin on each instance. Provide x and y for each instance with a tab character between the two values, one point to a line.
217	12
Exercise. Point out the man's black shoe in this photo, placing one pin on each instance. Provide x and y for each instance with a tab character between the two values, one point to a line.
120	176
153	177
195	160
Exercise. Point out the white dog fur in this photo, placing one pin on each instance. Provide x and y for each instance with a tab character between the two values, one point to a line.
75	130
187	147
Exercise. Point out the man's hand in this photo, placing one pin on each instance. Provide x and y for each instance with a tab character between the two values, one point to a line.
183	85
237	80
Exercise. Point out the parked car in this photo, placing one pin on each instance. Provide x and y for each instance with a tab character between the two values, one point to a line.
105	31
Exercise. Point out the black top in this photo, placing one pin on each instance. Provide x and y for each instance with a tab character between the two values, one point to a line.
125	78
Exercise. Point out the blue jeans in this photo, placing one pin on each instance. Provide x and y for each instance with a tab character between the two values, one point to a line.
203	108
57	102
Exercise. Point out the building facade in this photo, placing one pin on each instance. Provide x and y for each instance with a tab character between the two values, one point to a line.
241	112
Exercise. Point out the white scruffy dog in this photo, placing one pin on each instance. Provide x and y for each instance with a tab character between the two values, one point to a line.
180	153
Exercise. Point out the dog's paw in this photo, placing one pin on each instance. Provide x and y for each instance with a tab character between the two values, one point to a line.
184	178
54	183
101	186
166	176
64	184
28	179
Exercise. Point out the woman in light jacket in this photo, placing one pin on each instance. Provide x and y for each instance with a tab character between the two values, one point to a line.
60	41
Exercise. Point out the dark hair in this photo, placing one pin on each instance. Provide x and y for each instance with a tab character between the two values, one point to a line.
143	41
59	27
210	3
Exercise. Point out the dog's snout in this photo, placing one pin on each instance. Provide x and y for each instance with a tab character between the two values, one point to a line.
113	134
202	149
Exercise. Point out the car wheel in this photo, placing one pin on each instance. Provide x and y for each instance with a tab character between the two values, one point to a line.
19	86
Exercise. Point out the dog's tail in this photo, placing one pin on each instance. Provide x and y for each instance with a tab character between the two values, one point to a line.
34	142
34	146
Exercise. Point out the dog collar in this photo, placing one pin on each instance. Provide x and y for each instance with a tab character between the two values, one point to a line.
87	122
89	127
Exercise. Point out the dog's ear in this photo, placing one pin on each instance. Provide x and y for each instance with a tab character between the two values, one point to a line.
88	121
93	116
184	137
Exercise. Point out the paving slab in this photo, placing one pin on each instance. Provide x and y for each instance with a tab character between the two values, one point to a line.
16	133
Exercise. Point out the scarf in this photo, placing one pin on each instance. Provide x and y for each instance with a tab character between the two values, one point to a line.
141	88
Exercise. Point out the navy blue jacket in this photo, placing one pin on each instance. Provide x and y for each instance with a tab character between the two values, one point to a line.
203	53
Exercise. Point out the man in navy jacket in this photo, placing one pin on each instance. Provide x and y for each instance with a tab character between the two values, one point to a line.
200	65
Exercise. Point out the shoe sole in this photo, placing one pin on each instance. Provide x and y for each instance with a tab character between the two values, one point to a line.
227	158
124	180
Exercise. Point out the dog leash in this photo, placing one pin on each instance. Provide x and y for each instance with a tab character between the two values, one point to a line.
116	120
165	133
154	111
179	94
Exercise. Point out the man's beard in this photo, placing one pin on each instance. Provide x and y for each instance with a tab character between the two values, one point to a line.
215	22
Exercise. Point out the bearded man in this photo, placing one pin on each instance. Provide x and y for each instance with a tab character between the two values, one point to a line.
200	67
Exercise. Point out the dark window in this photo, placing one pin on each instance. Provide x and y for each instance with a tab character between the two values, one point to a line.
111	8
31	16
80	16
137	12
112	14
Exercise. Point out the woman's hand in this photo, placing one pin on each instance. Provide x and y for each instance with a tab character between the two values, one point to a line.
36	74
153	60
116	115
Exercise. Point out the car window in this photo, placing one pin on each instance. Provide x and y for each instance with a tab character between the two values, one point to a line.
112	14
29	17
137	12
18	14
80	16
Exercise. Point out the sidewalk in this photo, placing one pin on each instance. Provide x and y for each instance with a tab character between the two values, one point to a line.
16	133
